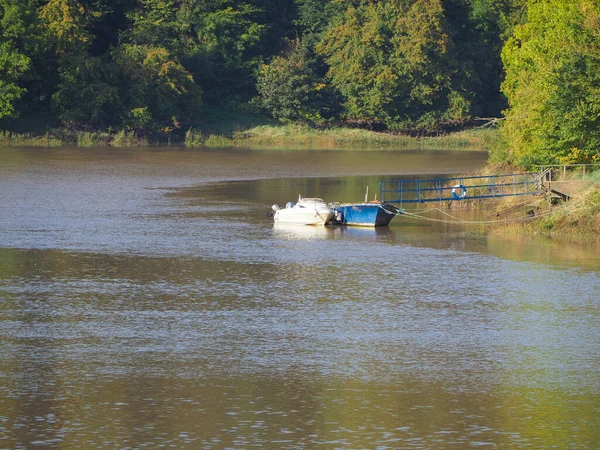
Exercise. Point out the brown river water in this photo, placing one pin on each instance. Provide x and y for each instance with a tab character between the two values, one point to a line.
147	301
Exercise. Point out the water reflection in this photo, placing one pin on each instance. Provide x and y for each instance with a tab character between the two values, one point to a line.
295	231
364	234
143	305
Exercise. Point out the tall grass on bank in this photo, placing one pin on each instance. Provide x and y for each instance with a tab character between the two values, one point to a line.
121	138
86	139
578	218
593	177
59	138
124	138
299	136
9	139
195	138
575	220
262	136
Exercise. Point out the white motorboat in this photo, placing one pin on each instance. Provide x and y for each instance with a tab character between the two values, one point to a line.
307	211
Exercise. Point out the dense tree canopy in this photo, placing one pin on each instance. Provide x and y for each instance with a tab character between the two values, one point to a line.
553	83
99	63
156	64
395	62
14	62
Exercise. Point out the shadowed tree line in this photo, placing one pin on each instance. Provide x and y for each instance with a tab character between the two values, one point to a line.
400	65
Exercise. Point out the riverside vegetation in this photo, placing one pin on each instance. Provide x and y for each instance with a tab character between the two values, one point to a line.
576	220
302	136
152	70
127	73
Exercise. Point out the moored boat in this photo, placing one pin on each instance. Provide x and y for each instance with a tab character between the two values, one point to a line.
306	211
368	214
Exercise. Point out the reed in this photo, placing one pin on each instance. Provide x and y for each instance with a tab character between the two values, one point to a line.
87	139
473	139
58	138
194	138
295	136
124	138
260	136
576	220
593	177
349	138
10	139
216	140
304	137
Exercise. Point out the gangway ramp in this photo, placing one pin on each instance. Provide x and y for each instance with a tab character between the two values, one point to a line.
460	188
567	180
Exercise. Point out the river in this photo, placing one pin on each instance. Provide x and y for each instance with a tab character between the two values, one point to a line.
147	301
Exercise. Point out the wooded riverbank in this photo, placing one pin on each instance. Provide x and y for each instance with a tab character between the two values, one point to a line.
576	219
261	136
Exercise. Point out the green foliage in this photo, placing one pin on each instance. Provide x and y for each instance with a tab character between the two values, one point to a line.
88	139
8	139
226	53
230	33
394	61
154	23
152	64
157	83
548	223
578	156
217	41
194	138
314	16
553	82
140	117
124	138
479	29
66	23
13	63
291	90
10	91
88	92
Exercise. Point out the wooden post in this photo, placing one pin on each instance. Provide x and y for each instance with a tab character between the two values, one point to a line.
564	172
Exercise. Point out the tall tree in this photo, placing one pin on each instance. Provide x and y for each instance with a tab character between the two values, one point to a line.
157	86
479	30
553	83
291	88
394	61
13	62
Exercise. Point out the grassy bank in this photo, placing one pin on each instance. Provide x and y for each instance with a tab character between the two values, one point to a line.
298	136
247	134
8	139
577	219
64	138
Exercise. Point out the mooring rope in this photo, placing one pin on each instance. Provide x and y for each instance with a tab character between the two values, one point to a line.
469	222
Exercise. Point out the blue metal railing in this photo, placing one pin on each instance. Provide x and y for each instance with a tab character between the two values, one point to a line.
463	188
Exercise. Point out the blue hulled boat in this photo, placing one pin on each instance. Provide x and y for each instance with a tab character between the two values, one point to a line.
368	214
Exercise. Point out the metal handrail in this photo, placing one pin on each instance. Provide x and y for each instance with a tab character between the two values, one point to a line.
564	167
445	189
